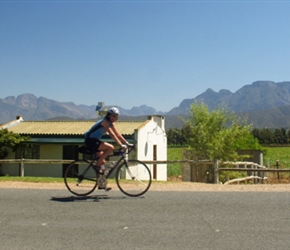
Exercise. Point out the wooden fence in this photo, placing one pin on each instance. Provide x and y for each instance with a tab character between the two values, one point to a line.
246	166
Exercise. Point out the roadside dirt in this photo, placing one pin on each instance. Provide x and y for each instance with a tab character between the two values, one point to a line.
167	186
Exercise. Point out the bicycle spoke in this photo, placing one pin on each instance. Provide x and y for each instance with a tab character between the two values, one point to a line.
80	178
133	178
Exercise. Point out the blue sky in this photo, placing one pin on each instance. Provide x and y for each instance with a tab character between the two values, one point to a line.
130	53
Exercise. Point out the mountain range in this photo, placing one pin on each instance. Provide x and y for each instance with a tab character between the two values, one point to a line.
265	103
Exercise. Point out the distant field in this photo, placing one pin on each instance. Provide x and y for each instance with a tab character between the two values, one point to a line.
280	154
174	154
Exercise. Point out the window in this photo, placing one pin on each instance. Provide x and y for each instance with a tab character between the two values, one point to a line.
28	151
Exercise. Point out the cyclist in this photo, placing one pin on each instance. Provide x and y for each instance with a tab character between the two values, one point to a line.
94	135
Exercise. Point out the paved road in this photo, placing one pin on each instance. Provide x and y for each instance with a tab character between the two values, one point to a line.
52	219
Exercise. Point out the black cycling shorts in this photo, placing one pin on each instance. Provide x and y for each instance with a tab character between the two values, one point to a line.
93	143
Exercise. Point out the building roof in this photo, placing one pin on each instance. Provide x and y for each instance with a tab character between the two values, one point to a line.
66	128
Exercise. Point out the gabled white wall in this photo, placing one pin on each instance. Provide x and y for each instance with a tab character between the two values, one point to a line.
153	133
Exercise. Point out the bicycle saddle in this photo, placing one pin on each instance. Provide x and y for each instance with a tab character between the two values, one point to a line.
86	150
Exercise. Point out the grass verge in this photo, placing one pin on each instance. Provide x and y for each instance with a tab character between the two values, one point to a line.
31	179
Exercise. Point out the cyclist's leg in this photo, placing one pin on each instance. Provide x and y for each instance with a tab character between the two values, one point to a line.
106	149
98	154
94	145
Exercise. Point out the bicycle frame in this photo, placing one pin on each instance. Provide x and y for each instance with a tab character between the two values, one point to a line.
119	162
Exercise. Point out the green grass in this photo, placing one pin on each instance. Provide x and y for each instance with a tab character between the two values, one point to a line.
280	154
32	179
272	154
174	154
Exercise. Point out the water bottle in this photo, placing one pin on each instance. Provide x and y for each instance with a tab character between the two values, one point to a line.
106	172
108	169
112	164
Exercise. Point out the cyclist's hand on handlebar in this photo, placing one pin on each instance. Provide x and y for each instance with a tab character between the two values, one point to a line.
123	147
130	145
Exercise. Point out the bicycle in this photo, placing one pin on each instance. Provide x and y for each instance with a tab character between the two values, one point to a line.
133	177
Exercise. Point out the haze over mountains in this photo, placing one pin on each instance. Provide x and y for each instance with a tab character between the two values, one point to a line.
266	103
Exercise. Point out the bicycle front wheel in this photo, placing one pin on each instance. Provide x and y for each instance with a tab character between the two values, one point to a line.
133	178
80	178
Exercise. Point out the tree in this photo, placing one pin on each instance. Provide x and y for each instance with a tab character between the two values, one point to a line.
280	136
9	140
218	134
186	134
266	136
288	136
173	136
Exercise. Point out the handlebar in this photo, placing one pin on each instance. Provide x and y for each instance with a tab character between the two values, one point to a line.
122	151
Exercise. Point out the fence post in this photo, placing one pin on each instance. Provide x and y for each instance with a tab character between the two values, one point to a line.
277	166
216	171
22	167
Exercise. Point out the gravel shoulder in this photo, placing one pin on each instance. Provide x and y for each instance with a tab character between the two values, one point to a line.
167	186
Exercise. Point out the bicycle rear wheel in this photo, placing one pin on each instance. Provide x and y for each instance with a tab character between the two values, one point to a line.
80	178
133	178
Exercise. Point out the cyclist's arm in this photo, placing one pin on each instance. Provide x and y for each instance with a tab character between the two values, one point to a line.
118	135
112	132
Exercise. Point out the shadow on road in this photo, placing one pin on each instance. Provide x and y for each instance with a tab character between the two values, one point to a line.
94	198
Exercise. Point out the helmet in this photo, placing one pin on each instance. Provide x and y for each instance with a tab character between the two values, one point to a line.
113	111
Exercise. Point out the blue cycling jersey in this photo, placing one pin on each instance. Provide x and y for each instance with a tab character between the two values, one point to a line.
96	131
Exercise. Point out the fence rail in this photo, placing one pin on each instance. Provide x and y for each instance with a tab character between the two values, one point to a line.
254	170
58	161
33	161
254	167
36	161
